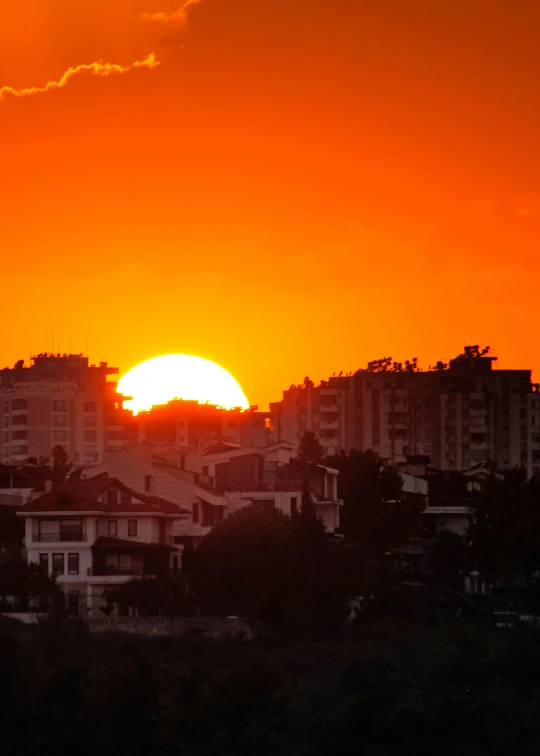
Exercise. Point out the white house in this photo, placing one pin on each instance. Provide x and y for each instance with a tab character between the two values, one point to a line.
96	534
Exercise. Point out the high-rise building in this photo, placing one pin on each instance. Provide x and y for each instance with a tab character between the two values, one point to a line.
460	414
60	400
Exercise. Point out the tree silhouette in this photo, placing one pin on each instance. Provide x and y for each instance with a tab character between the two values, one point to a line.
310	450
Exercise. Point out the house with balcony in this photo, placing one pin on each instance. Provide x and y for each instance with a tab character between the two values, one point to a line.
96	534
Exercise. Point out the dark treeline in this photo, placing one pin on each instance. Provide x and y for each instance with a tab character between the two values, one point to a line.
461	689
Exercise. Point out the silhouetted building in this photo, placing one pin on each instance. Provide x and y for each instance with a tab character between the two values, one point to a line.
459	414
60	400
184	423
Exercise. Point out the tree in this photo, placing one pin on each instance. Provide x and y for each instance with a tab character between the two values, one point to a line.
505	526
26	582
449	559
245	564
310	450
375	510
58	464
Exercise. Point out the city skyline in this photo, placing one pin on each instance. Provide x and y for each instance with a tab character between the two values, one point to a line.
294	184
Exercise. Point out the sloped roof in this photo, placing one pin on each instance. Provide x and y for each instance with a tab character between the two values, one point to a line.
85	495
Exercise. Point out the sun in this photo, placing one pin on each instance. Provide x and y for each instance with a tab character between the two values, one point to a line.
180	376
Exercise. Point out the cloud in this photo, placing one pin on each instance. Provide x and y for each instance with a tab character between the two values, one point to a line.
177	18
95	69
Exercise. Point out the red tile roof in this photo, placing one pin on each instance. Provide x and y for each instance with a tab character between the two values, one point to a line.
85	495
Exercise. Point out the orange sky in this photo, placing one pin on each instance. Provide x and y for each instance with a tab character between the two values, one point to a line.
299	187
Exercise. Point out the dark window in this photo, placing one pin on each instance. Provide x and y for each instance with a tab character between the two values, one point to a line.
112	497
205	470
71	530
19	420
59	405
147	482
18	404
113	528
132	527
58	564
73	564
294	505
181	423
90	437
44	562
89	406
125	498
19	435
195	511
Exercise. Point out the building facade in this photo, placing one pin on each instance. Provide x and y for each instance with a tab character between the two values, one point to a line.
459	414
212	484
60	400
184	423
96	534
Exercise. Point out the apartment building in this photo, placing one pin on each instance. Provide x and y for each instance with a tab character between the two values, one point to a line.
60	400
184	423
97	534
460	414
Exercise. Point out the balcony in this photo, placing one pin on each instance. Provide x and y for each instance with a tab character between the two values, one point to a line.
74	536
108	572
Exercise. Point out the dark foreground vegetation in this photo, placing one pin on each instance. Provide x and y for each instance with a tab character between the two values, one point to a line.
390	687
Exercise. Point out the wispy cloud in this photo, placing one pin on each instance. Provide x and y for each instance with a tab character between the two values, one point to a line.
95	69
177	18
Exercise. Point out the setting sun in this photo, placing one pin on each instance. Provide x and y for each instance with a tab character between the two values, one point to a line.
180	376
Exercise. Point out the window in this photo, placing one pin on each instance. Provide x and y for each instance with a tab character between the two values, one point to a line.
54	531
73	564
294	506
89	406
60	437
147	483
20	435
231	423
125	499
90	437
19	420
113	528
119	563
60	421
112	497
90	423
44	562
181	423
58	564
205	470
132	528
19	404
6	406
195	511
59	405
